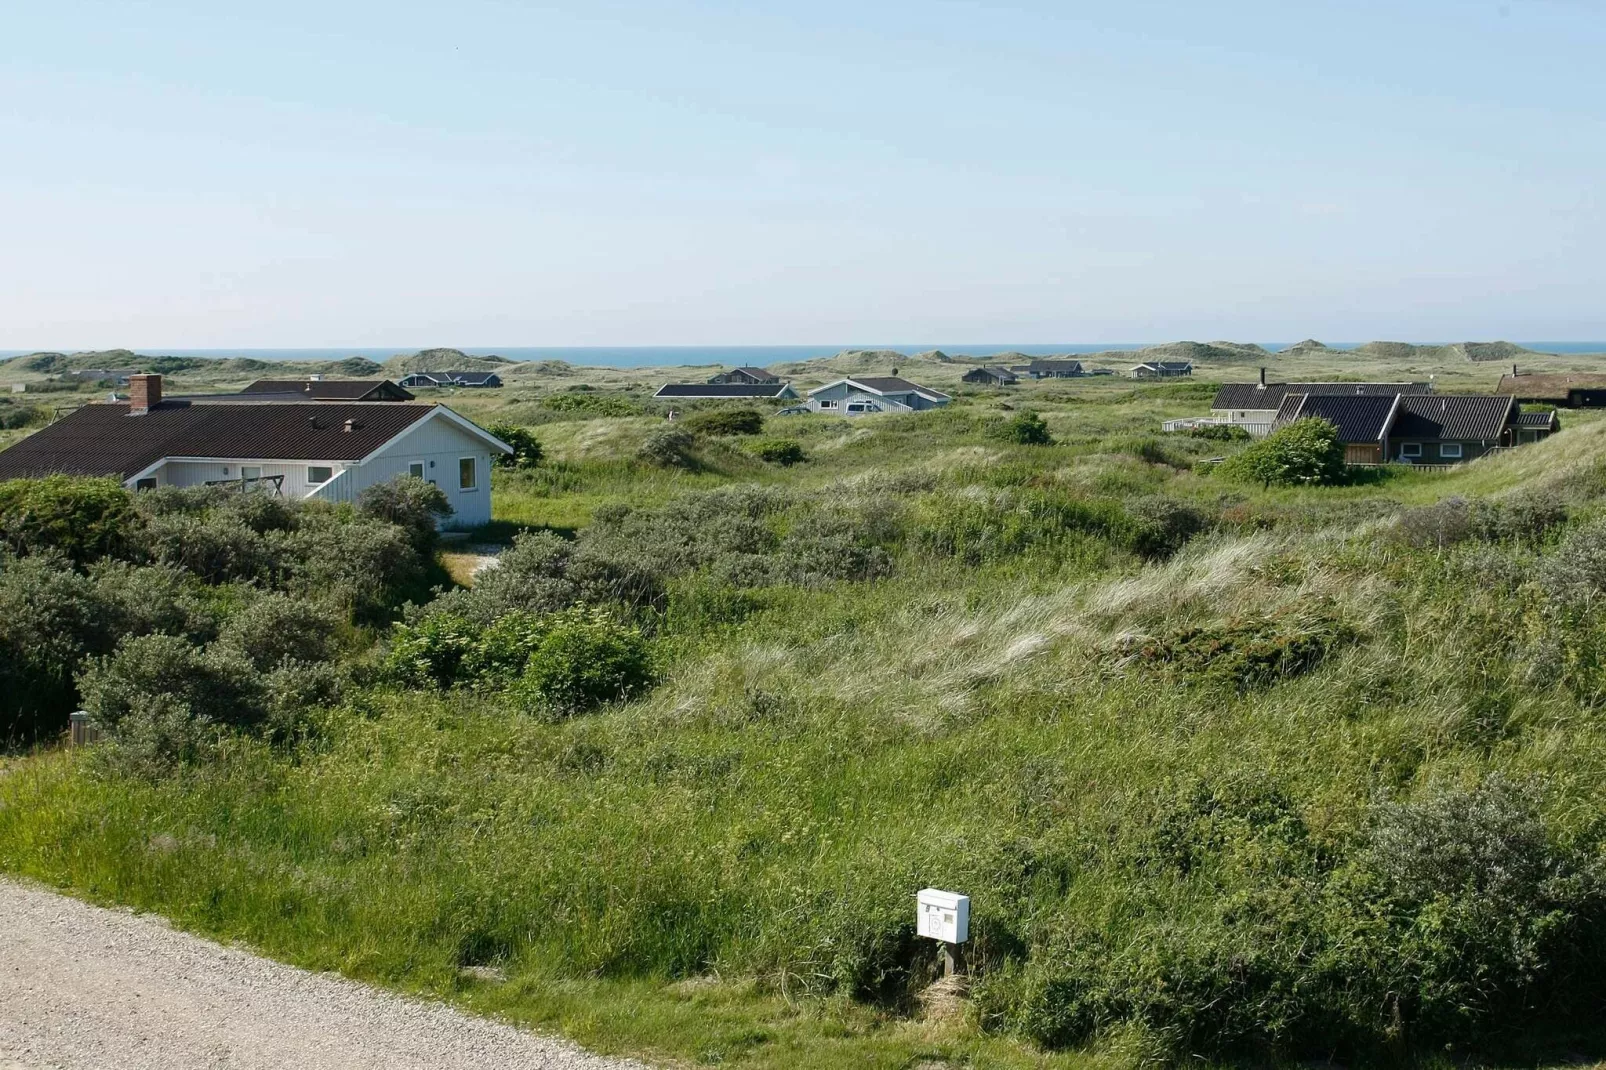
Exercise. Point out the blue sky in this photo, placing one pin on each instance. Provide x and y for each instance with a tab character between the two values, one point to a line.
618	173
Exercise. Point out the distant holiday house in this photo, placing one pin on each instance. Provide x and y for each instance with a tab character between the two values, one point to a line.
749	376
872	394
1055	369
991	377
1161	369
776	391
331	450
320	389
1573	390
427	380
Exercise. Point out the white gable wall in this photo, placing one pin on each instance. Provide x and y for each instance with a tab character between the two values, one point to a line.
438	444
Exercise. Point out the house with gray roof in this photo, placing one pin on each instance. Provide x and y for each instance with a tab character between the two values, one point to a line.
331	450
318	388
1254	406
871	394
991	376
1411	428
752	376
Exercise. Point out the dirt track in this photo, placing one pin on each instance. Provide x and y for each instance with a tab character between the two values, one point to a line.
82	987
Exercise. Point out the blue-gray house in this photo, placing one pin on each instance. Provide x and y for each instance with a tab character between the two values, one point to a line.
859	397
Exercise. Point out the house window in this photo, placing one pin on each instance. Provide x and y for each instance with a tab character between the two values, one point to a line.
250	472
466	474
1410	449
416	469
148	483
827	404
1450	450
318	474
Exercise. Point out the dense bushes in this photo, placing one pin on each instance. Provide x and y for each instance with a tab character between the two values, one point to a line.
996	527
91	566
1305	452
85	519
1447	918
726	422
557	665
527	452
1025	429
782	451
1219	433
669	447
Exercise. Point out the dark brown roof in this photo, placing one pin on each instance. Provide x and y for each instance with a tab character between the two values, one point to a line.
103	440
1358	417
1478	417
332	389
1270	396
1552	387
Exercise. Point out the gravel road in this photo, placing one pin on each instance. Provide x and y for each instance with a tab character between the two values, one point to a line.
82	988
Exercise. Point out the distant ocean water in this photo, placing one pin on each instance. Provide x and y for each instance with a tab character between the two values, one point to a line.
663	356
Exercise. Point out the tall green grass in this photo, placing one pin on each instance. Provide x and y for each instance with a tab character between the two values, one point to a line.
724	871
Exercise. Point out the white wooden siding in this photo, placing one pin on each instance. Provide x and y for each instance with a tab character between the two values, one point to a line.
437	444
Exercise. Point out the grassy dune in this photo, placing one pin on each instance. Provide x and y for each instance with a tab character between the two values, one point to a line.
1161	776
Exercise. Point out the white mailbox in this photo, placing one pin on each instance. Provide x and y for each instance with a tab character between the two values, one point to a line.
944	915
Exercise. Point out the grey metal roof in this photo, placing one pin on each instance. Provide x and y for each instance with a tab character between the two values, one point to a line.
1051	365
892	384
1476	417
1358	417
104	440
1544	420
1270	396
721	390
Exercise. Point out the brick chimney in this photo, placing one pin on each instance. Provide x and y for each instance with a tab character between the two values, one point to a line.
144	393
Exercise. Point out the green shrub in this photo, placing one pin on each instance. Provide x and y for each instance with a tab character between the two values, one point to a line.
1246	652
1219	433
527	451
669	447
216	547
51	618
367	566
412	504
782	451
586	658
1025	429
216	685
84	519
431	652
726	422
501	652
1304	452
277	628
590	405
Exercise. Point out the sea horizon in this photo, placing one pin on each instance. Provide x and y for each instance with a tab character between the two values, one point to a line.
671	356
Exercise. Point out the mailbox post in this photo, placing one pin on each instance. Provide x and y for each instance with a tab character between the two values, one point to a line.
944	917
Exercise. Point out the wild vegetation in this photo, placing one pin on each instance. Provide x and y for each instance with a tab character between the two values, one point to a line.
1241	770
